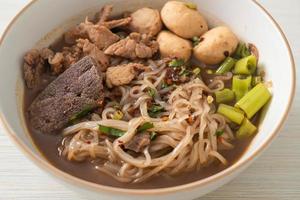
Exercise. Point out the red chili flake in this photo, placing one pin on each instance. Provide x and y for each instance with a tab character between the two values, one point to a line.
165	118
190	120
220	139
100	102
169	81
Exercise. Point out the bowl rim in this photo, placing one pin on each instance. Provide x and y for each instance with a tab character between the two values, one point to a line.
48	167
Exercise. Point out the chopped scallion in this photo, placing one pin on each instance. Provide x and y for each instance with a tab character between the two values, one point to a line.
226	66
242	51
254	100
241	86
84	112
197	71
233	114
155	110
219	133
246	66
116	105
164	85
111	131
145	127
224	96
184	71
153	136
151	92
209	71
176	63
246	130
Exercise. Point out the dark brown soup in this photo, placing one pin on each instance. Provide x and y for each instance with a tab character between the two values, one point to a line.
48	145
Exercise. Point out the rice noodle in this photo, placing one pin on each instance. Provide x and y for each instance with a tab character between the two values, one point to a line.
185	141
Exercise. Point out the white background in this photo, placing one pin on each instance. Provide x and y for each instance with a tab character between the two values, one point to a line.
274	176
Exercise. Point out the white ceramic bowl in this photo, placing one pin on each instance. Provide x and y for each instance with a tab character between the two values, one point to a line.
42	21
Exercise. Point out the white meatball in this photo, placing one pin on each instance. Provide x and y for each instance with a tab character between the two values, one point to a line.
182	20
146	21
170	45
215	45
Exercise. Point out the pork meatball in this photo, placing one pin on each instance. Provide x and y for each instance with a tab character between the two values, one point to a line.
215	45
146	21
170	45
183	20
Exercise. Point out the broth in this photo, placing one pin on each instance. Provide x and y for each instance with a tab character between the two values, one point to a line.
48	145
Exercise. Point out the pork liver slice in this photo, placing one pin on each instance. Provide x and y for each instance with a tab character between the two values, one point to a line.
79	86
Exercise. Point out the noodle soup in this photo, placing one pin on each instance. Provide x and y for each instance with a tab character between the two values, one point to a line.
125	103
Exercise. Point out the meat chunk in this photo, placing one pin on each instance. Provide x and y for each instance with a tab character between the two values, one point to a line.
138	142
121	74
104	15
105	12
117	23
98	33
61	61
64	59
134	46
74	34
57	63
92	50
101	36
34	66
46	53
79	86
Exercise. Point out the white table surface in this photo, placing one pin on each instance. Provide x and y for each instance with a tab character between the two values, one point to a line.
275	175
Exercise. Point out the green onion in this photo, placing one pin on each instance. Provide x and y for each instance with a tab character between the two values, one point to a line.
84	112
233	114
151	92
246	66
164	85
145	127
254	100
176	63
116	105
184	71
224	96
209	71
111	131
241	86
153	136
191	5
155	110
226	66
242	51
256	80
219	133
210	99
118	115
197	71
196	41
246	130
